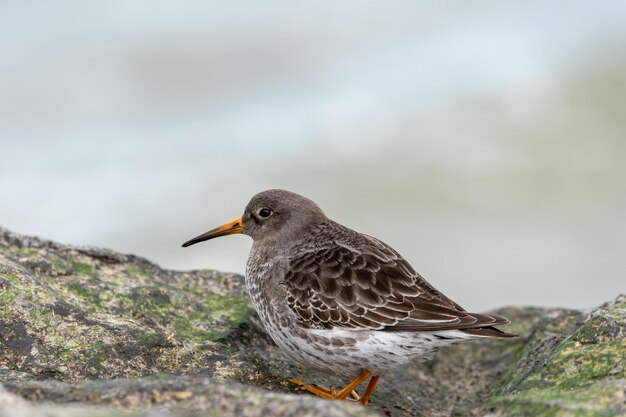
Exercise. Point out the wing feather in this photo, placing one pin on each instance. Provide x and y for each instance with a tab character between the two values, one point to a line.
372	287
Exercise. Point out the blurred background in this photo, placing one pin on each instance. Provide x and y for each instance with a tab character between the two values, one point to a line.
486	142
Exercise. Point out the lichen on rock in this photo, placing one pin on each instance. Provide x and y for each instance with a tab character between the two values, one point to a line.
71	313
582	374
87	327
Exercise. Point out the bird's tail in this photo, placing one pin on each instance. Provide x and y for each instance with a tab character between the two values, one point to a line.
488	332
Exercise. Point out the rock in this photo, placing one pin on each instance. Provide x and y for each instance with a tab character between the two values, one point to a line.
91	330
571	369
164	396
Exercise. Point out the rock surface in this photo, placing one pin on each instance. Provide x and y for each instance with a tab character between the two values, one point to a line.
91	329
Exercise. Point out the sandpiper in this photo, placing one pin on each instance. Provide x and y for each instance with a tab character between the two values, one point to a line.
340	301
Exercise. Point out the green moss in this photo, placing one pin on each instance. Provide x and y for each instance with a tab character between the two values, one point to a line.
227	310
194	290
43	316
517	351
26	252
193	319
83	269
582	376
90	297
13	279
574	365
98	356
7	298
232	308
58	263
598	328
187	331
149	338
8	295
590	354
151	301
137	271
601	399
77	347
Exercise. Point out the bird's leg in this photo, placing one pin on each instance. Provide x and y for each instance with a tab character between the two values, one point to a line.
313	389
331	393
332	390
345	391
365	399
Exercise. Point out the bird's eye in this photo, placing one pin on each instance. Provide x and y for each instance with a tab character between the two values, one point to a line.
265	213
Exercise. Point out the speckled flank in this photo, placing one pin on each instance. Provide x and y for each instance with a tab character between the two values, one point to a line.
340	352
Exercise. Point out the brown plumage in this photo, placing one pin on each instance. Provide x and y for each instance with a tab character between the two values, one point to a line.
340	301
370	286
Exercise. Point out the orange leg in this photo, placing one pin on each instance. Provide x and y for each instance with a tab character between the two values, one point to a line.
319	391
365	399
331	393
345	391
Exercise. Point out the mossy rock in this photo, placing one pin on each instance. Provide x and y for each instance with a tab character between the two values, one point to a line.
71	313
97	328
584	374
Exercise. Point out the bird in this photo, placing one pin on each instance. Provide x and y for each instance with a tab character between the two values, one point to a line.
339	301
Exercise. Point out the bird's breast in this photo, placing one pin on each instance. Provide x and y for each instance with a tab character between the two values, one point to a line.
258	269
262	282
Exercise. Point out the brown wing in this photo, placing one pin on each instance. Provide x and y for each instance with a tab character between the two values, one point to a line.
371	288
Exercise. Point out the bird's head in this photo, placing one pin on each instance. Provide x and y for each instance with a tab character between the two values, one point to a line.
270	216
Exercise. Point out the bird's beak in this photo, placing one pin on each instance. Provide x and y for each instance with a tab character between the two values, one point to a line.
230	228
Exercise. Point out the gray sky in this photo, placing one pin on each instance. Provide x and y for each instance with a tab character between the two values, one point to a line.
484	142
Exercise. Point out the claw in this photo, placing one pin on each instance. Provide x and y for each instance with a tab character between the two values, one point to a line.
348	390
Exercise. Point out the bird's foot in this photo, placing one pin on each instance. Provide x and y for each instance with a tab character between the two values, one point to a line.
326	392
342	394
315	389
